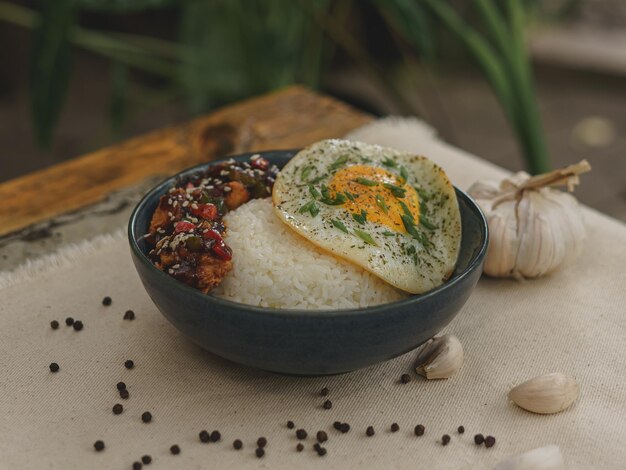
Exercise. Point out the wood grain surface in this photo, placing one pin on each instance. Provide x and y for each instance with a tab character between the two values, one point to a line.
289	118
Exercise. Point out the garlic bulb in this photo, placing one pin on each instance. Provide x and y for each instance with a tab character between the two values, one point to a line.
533	229
440	357
546	394
543	458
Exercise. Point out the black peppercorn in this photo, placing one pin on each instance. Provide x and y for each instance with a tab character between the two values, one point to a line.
129	364
107	301
337	425
237	444
301	434
369	432
146	459
461	429
129	315
137	465
419	430
204	436
146	417
324	391
78	325
405	378
445	440
54	324
328	405
479	439
215	436
300	447
345	427
117	409
321	436
175	450
54	367
490	441
121	386
261	442
290	424
99	445
395	427
69	321
259	452
124	394
321	451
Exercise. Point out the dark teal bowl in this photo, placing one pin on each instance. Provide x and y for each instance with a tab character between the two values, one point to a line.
305	342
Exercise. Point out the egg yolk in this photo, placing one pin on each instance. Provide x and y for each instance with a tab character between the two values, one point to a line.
377	192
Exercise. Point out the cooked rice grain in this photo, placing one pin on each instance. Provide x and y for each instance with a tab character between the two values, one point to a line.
275	267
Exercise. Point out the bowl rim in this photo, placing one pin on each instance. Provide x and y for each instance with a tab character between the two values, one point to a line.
160	188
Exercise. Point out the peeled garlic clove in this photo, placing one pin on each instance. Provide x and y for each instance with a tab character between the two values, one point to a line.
546	394
543	458
440	357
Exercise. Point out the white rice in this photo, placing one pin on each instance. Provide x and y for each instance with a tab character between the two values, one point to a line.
275	267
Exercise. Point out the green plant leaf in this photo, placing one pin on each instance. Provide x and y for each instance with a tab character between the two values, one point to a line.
117	101
50	66
123	6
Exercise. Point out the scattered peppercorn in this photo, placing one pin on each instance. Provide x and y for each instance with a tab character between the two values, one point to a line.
419	430
204	436
107	301
146	459
215	436
301	434
117	409
121	386
129	364
78	325
405	378
337	425
461	429
124	394
395	427
259	452
321	436
290	424
490	441
146	417
137	465
69	321
324	391
445	440
300	447
175	450
328	405
345	427
54	367
98	445
261	442
479	439
237	444
54	324
321	451
129	315
369	432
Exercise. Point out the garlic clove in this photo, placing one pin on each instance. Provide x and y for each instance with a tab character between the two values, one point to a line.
546	394
543	458
440	357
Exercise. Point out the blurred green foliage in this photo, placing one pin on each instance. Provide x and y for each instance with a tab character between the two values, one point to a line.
224	50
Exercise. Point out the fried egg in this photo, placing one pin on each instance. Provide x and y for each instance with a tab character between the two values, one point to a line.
393	213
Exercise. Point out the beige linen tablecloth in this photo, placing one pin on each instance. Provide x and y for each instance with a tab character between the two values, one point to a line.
573	321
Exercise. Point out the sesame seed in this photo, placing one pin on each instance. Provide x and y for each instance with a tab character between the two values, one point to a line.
54	367
185	204
69	321
419	430
146	417
490	441
175	450
479	439
107	301
227	189
117	409
78	325
98	445
237	444
321	436
395	427
259	452
445	440
328	405
204	436
54	324
301	434
129	364
369	432
194	206
146	459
